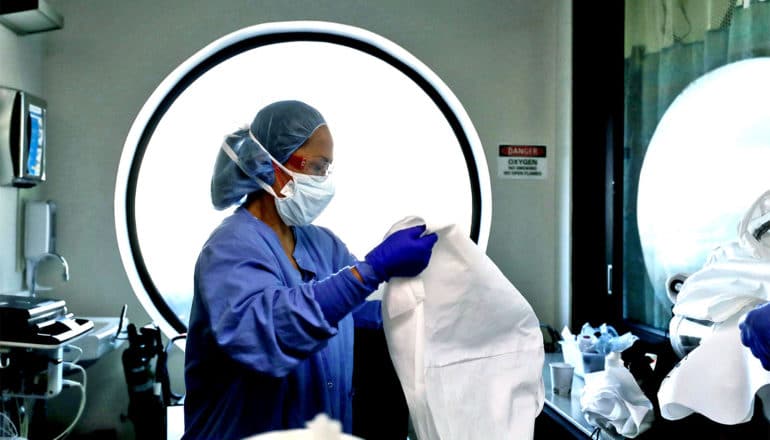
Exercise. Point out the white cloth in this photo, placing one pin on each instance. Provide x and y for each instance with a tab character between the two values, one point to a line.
730	282
320	428
612	399
718	379
465	344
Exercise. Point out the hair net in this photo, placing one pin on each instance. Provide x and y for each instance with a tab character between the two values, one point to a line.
281	127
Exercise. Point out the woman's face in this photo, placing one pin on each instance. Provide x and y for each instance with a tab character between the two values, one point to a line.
314	157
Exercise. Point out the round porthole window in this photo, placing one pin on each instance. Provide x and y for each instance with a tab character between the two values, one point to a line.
403	146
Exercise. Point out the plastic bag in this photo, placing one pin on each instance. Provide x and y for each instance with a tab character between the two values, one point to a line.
603	340
586	351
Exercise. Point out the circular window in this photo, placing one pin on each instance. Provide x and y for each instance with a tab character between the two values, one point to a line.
403	146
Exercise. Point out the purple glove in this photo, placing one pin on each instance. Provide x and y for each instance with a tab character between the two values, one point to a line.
755	333
402	254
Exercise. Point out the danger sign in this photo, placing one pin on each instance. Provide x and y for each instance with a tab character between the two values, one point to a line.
521	162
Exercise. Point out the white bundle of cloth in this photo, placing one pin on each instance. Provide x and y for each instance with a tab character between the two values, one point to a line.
612	400
466	345
720	377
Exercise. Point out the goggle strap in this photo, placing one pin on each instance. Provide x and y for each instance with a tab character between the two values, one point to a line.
234	157
297	162
254	138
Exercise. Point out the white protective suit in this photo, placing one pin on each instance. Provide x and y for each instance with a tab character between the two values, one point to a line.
465	344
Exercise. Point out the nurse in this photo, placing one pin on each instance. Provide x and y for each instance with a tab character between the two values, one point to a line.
270	340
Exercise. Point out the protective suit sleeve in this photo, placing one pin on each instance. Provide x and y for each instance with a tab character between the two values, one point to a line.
259	321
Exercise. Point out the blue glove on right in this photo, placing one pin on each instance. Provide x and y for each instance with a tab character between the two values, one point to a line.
402	254
755	333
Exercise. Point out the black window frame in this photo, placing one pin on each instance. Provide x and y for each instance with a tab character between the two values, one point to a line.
598	93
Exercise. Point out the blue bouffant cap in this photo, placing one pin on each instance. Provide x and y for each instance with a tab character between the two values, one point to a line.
281	127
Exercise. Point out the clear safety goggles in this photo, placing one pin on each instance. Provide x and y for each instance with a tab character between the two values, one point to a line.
313	166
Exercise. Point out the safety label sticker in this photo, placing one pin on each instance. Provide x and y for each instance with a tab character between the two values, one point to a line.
521	162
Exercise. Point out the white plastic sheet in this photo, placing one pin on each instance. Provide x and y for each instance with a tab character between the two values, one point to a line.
465	343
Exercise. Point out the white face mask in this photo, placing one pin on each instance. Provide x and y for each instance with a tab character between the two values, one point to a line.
312	195
305	196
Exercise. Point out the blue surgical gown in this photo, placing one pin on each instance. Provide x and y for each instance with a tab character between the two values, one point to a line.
260	355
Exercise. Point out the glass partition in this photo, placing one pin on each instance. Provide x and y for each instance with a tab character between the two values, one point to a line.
695	137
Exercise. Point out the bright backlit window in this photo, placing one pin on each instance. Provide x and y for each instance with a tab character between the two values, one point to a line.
703	169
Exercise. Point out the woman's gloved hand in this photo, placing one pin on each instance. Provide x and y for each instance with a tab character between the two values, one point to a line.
404	253
755	333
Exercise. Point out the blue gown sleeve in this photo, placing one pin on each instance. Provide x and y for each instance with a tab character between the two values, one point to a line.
366	314
256	318
369	315
335	302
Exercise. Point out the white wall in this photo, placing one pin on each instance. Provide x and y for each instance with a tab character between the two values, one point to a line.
507	61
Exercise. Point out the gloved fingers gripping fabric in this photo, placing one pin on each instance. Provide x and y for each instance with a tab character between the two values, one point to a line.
404	253
755	333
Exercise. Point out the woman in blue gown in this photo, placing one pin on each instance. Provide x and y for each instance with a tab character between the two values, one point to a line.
270	339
